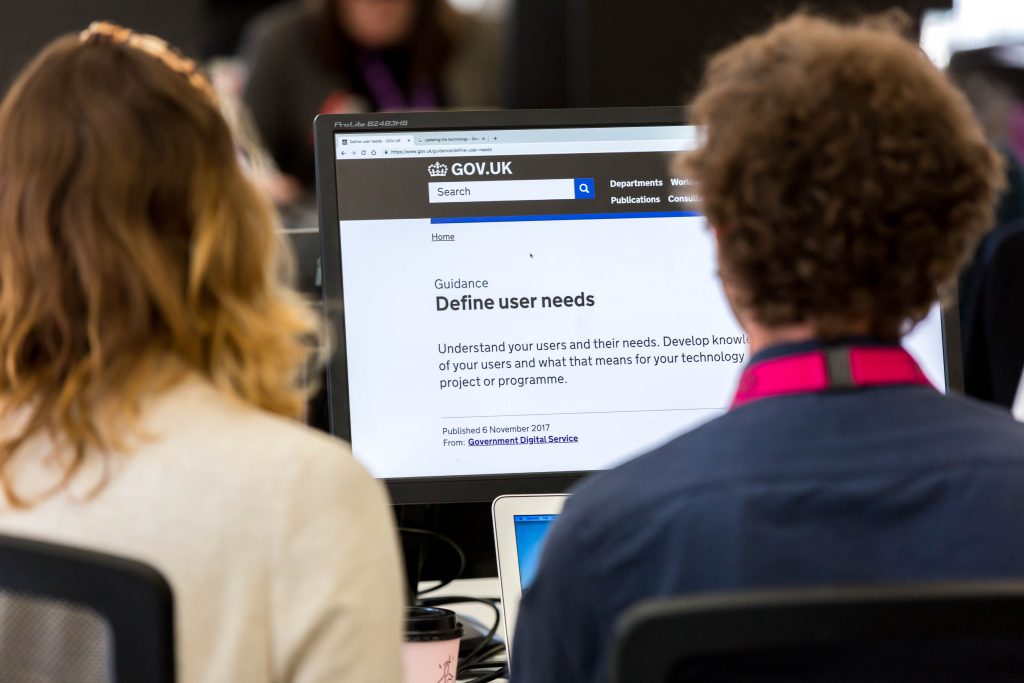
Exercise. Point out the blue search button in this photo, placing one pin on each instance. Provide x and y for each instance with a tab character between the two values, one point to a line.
584	188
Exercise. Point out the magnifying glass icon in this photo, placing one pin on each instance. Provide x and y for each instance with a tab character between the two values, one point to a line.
584	188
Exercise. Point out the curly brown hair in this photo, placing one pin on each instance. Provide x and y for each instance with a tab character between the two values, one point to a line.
846	177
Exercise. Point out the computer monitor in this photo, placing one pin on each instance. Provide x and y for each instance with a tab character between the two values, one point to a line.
522	297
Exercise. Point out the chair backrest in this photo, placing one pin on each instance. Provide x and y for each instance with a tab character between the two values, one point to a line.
68	614
928	632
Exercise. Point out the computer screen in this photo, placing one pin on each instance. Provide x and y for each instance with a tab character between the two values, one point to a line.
520	300
531	531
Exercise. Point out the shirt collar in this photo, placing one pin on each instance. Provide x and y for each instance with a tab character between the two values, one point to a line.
792	348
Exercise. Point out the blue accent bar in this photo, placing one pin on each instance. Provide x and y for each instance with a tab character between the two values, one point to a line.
565	217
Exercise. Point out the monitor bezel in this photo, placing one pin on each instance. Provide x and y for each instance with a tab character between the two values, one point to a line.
477	488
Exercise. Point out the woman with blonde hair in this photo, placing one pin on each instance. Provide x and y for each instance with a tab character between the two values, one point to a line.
150	359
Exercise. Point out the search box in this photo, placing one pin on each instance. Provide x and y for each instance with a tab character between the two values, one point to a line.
510	190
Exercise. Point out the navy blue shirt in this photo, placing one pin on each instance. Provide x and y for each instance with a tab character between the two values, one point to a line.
885	484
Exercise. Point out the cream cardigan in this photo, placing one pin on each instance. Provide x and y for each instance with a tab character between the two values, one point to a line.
278	546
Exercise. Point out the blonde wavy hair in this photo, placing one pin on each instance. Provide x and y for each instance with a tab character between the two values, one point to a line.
133	249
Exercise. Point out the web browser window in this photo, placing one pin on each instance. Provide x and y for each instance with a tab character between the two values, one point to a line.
537	300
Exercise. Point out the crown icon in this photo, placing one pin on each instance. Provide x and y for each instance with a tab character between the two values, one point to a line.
437	170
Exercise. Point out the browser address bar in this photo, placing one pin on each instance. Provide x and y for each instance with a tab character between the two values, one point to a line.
510	190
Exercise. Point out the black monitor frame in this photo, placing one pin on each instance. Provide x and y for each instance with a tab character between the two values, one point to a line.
475	488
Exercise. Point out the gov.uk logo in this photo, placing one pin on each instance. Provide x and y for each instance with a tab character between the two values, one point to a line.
437	170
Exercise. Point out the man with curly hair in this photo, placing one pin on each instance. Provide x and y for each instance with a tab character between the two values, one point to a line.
846	182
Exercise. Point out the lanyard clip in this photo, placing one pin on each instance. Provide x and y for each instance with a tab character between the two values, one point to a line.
839	368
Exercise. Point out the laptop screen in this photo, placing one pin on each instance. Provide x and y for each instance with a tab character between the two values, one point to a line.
531	530
530	300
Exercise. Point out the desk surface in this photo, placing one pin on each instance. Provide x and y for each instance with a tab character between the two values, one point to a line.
475	588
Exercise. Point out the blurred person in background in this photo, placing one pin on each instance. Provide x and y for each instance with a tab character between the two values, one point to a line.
338	56
153	355
992	285
993	79
994	347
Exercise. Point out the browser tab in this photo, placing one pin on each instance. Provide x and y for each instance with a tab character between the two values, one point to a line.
522	142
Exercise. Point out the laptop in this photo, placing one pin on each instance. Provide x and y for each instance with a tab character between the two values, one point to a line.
521	525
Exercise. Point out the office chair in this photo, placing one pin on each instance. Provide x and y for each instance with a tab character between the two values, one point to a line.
927	632
73	615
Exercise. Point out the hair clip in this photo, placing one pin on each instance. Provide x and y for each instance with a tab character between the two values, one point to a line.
105	32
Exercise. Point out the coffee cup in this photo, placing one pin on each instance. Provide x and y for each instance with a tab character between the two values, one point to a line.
431	650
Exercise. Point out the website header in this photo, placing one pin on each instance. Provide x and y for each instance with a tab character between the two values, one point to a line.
452	188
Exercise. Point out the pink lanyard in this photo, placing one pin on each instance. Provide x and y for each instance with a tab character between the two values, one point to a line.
843	367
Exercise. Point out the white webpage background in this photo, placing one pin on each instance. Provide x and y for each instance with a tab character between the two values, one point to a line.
650	277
